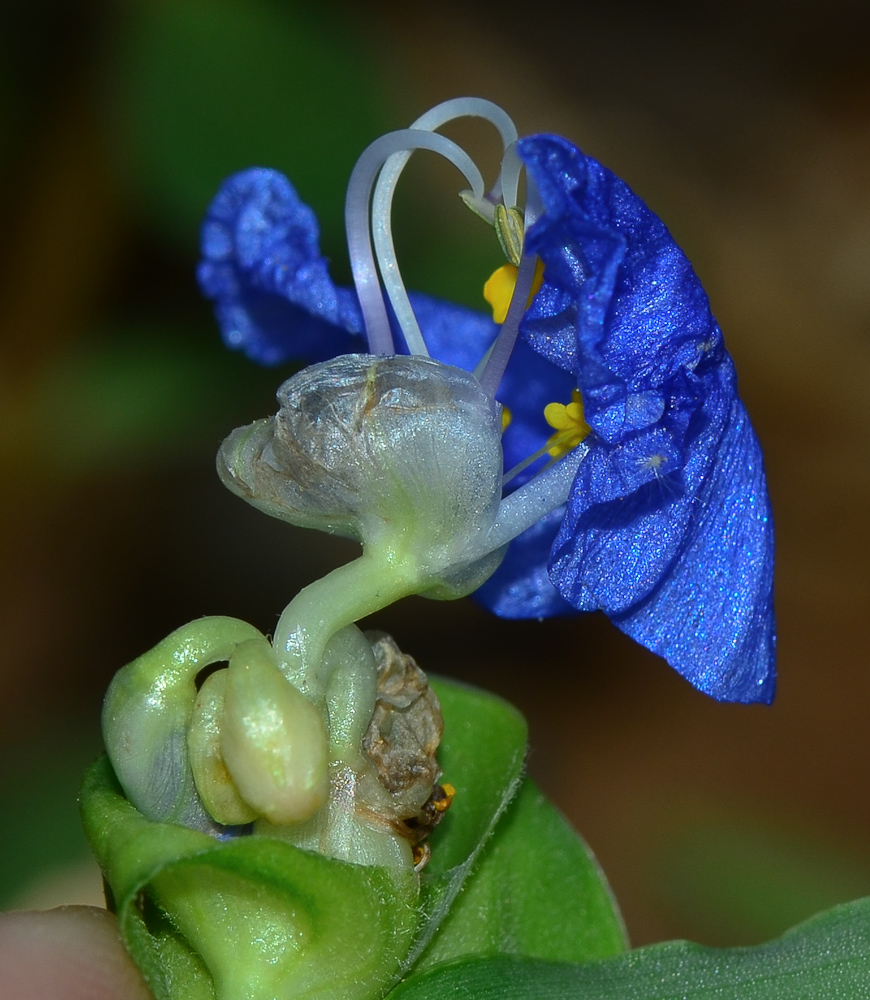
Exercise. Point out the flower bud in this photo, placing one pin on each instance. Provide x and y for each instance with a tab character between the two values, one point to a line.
147	712
273	739
213	781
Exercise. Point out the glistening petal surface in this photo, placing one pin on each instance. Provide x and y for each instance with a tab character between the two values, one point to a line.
668	525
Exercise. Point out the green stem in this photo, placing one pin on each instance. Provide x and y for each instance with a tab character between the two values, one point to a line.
338	599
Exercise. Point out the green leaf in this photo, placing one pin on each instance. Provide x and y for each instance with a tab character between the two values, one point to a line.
252	917
826	958
537	892
481	755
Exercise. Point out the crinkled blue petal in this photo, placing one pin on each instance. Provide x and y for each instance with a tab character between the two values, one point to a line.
712	616
262	268
668	526
620	306
633	509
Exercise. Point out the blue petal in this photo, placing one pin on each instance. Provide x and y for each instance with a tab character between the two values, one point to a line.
261	265
633	505
521	586
712	616
668	527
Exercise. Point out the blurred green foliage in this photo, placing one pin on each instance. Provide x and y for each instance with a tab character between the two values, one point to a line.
41	782
145	394
198	89
742	879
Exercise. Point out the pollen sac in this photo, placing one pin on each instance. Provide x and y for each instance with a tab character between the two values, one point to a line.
399	450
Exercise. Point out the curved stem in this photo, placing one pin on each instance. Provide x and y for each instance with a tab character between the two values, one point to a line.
351	692
340	598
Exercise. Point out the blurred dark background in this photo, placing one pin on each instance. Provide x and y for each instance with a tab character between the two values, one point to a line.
745	126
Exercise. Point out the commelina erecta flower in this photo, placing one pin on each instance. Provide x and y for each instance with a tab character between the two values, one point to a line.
609	355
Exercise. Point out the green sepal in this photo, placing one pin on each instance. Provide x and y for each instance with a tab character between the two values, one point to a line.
826	958
252	916
537	891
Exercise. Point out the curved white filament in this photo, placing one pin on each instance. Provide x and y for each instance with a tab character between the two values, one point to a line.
434	118
511	167
359	239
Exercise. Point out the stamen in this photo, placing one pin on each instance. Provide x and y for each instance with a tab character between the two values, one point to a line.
506	418
380	167
571	428
570	425
359	243
509	230
385	188
492	367
526	462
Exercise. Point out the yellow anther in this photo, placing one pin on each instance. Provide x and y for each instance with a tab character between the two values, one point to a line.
506	418
499	289
569	424
442	802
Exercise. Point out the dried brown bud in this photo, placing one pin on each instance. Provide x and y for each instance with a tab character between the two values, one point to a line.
405	729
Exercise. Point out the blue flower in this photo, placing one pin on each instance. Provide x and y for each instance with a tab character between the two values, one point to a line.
667	526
